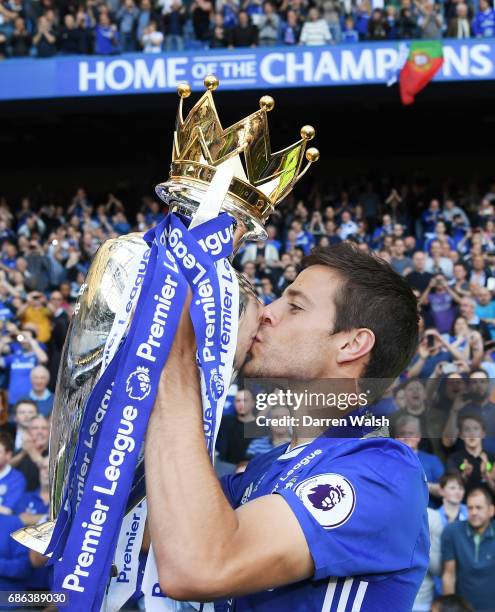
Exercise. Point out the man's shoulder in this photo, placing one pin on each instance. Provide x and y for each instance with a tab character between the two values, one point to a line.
372	462
455	529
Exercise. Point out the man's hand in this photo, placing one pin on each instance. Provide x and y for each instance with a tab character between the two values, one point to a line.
468	469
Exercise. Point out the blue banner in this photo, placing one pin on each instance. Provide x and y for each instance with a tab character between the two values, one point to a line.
237	69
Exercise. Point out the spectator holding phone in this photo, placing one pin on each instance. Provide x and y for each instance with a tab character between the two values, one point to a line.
432	350
442	301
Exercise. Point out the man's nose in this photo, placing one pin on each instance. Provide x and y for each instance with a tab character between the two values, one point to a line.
270	313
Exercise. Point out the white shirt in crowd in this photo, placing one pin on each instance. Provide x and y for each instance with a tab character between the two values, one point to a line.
166	5
315	33
347	229
152	42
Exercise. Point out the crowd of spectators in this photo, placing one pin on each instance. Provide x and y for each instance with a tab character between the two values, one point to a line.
44	28
443	405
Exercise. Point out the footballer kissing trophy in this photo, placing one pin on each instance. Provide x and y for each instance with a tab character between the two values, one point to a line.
213	170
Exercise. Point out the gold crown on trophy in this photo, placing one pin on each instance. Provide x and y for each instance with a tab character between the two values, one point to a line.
201	146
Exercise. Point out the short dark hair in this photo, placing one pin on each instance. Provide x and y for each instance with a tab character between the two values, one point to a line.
25	400
448	476
6	441
481	491
477	370
471	416
373	295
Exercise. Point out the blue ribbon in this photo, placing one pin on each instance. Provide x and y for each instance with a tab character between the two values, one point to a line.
86	536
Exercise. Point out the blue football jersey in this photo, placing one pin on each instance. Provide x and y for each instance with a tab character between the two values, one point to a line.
361	503
12	487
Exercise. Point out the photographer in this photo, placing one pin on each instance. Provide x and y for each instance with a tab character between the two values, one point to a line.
442	301
432	350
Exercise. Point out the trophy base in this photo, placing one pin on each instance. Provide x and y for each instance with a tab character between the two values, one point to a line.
35	537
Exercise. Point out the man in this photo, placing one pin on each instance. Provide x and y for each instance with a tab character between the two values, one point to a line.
459	283
231	443
24	412
480	273
346	527
450	209
407	429
485	309
419	278
25	354
400	262
34	448
467	310
437	263
347	227
33	506
40	394
430	217
60	325
12	482
468	552
484	20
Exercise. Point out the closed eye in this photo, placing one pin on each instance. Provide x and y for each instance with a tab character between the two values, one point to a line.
294	307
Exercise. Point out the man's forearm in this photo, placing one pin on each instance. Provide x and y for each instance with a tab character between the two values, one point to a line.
448	583
191	521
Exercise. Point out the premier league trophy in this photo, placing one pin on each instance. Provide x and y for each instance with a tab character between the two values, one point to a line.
213	171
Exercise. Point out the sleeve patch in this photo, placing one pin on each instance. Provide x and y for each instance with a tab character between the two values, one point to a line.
330	499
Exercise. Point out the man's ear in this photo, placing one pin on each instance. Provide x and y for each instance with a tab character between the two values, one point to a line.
355	344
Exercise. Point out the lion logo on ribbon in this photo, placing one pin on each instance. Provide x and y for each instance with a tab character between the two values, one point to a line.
217	385
138	384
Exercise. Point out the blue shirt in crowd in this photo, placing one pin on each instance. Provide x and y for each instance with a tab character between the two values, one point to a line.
104	37
12	487
361	504
433	470
44	403
15	568
19	365
484	23
474	555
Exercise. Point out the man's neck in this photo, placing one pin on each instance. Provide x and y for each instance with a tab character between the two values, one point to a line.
246	418
278	439
480	530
